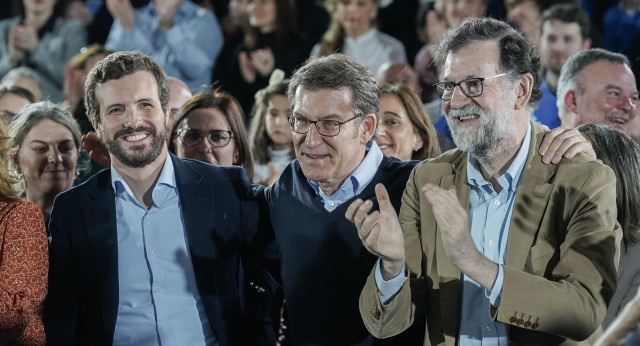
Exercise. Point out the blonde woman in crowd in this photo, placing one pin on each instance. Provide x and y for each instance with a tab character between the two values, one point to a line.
23	262
353	32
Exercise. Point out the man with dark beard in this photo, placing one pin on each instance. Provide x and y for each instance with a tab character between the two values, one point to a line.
502	248
147	252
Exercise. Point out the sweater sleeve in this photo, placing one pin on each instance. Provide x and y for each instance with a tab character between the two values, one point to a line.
23	274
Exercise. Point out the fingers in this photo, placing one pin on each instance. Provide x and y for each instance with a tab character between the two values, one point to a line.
563	142
358	213
383	199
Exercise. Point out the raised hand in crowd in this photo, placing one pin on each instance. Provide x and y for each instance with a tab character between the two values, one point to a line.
122	10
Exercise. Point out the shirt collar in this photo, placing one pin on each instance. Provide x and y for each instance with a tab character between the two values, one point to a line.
475	178
364	173
367	36
167	177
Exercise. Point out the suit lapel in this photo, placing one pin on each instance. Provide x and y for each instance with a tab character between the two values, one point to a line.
99	222
531	202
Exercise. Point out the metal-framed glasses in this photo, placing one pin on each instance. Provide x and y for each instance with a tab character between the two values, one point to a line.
470	87
327	128
217	138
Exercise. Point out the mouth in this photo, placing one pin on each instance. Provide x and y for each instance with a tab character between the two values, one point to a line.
616	122
315	156
136	137
384	146
468	117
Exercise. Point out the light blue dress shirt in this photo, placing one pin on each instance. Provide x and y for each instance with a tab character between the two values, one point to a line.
159	302
188	50
489	218
356	182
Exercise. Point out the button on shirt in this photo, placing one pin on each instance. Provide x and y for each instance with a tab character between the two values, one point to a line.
159	303
489	218
355	183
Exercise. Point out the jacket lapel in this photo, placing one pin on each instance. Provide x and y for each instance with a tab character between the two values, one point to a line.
531	202
99	222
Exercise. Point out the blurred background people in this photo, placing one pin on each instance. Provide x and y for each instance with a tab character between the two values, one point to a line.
398	73
76	73
271	40
353	32
45	146
622	154
211	128
597	86
41	39
564	31
405	130
621	24
26	78
184	38
12	100
179	94
23	262
269	134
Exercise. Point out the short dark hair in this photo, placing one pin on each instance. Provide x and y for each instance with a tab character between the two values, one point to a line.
518	55
116	66
568	13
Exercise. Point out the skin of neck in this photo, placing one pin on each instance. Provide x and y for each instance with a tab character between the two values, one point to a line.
142	180
552	79
43	200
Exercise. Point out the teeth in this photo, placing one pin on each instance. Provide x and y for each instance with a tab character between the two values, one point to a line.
467	117
617	120
135	138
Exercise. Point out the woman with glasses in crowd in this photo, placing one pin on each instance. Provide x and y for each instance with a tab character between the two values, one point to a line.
210	128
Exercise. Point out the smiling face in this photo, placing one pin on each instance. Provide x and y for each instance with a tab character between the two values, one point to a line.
355	16
328	161
262	15
609	97
479	124
206	120
276	122
396	136
47	159
560	40
132	122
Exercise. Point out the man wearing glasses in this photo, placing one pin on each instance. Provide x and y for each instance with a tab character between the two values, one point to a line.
324	266
500	247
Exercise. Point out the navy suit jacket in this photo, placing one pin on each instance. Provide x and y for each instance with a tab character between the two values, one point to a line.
221	217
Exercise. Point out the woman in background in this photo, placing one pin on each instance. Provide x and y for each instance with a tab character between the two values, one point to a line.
41	39
210	128
270	135
23	262
622	154
405	130
45	146
352	32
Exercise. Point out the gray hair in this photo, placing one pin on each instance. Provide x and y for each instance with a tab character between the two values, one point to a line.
570	74
336	71
518	55
34	113
22	72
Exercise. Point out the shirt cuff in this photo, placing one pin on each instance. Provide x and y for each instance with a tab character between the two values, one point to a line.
388	289
496	293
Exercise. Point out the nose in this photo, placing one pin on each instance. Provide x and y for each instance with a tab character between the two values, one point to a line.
458	99
204	145
133	118
627	104
54	156
313	136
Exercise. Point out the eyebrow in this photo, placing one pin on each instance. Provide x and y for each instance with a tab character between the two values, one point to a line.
392	113
326	117
43	142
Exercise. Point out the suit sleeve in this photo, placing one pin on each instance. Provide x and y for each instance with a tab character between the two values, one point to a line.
570	276
386	320
62	303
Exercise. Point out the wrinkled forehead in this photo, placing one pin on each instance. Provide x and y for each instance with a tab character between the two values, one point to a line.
477	59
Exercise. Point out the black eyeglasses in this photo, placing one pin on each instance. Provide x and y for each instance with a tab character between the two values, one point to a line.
217	138
470	87
327	128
